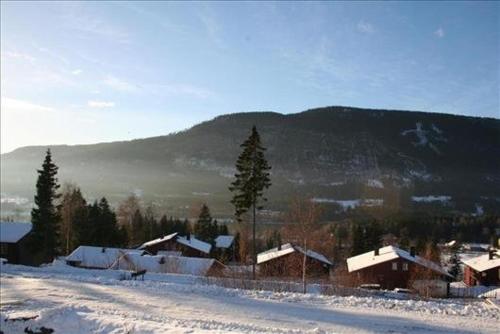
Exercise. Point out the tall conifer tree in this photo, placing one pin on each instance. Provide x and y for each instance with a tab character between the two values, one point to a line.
252	178
45	236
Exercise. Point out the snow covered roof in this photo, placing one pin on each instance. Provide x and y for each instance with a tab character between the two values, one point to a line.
157	241
13	232
195	243
165	264
98	257
389	253
288	248
483	262
224	241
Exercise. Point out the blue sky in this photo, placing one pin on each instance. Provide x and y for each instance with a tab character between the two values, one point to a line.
101	71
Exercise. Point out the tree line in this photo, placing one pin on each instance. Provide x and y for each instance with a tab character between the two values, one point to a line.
64	220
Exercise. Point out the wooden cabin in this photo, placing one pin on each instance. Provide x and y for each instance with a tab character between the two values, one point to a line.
483	270
390	267
287	261
175	244
13	242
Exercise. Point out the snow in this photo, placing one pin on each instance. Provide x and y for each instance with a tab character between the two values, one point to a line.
13	232
74	300
224	241
351	203
430	198
195	243
98	257
288	248
165	264
191	242
389	253
157	241
374	183
483	262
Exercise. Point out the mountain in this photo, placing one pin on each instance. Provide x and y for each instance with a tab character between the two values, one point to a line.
344	157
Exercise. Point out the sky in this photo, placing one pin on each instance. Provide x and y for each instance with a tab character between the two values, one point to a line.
75	73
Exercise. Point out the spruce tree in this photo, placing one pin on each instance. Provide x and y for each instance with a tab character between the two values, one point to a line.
45	237
252	178
203	226
454	263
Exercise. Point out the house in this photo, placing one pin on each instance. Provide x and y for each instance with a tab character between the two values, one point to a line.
483	270
224	247
91	257
186	246
287	260
391	267
13	238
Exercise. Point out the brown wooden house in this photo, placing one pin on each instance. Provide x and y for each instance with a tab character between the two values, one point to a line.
483	270
13	238
174	244
391	267
287	260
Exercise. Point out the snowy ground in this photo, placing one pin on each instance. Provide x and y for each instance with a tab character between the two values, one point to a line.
72	300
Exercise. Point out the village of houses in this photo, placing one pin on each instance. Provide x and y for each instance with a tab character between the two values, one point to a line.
388	268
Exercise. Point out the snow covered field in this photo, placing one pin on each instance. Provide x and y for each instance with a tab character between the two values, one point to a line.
72	300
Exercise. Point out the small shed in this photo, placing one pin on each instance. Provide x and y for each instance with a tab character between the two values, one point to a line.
287	260
392	267
224	247
186	245
13	238
483	270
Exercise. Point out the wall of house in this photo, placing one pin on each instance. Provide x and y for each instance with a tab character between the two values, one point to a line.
173	245
290	265
488	278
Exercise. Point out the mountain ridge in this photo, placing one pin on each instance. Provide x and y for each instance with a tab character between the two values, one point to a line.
333	153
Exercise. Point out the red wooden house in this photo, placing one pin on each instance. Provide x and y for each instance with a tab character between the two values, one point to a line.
391	267
287	261
483	270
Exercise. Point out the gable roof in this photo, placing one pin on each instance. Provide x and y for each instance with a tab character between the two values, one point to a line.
195	243
224	241
389	253
98	257
289	248
158	240
13	232
483	262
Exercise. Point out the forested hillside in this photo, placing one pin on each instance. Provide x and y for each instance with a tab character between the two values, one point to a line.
347	158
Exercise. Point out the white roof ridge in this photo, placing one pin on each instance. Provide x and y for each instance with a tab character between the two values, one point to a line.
483	262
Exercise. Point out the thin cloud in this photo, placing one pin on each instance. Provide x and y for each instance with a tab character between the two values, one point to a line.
120	84
18	55
14	105
365	27
100	104
439	33
76	72
212	26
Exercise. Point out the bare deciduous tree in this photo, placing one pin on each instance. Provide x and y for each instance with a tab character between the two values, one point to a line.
302	219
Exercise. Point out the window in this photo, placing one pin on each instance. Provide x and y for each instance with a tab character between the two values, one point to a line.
394	266
405	266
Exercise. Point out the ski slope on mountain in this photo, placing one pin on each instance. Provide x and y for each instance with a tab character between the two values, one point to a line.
71	300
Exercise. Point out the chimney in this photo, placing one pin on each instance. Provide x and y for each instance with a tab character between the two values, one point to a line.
103	250
413	251
279	247
188	237
491	254
377	253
